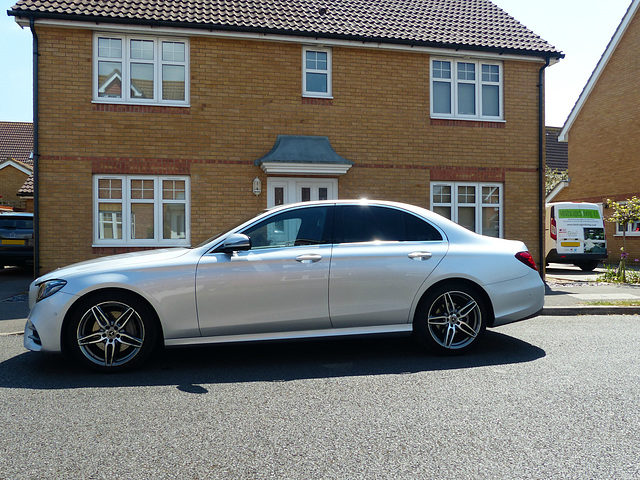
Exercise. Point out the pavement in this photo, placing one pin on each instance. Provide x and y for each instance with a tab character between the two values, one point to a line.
569	291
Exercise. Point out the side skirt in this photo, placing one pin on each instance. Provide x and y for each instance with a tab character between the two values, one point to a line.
334	332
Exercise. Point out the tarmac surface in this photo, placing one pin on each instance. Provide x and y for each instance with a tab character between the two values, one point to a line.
569	291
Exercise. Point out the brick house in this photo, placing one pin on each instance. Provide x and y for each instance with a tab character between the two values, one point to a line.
167	123
16	162
603	133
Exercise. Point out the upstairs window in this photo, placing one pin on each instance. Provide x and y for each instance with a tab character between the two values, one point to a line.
316	72
144	70
466	90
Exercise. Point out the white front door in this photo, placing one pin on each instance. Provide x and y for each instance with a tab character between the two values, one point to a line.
281	191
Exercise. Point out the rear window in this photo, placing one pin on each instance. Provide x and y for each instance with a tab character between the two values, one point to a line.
16	223
365	223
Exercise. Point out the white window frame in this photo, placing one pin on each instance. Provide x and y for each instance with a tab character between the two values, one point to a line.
126	220
327	72
157	62
478	83
479	204
292	188
630	230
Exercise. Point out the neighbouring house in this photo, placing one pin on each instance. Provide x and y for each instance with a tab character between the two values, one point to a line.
167	121
16	163
557	153
556	160
603	133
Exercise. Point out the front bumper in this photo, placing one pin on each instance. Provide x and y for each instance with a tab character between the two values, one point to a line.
43	330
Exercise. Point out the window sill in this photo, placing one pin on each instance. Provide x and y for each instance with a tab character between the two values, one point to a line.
473	123
628	234
317	100
139	108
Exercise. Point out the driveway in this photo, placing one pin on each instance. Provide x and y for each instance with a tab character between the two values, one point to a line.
14	304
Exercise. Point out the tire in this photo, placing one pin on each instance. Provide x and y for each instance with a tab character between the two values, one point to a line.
588	266
451	319
111	332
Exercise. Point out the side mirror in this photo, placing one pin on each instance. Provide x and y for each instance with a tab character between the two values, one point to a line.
236	242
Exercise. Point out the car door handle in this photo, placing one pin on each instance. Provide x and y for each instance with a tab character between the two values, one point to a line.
308	258
420	256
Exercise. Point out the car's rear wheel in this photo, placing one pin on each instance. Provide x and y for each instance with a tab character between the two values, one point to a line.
451	319
111	332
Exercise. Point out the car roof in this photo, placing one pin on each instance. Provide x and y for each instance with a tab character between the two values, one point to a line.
16	214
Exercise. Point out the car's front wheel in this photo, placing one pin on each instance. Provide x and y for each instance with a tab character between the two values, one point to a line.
111	332
451	319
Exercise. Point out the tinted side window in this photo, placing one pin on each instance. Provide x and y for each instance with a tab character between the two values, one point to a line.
364	223
303	226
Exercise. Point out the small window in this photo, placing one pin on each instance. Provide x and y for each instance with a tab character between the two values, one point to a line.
303	226
365	223
316	72
466	89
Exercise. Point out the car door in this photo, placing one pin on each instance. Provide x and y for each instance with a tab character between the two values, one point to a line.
279	285
381	257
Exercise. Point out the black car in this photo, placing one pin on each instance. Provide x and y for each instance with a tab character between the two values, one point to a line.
16	239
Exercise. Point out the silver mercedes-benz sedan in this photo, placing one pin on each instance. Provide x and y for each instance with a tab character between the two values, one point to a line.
307	270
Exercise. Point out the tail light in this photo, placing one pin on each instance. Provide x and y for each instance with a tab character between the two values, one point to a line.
527	259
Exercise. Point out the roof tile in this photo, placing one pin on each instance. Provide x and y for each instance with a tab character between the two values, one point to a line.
16	141
473	23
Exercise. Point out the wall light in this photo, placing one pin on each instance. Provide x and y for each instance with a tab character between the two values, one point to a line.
257	186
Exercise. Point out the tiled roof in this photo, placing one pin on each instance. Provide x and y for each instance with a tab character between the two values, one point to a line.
27	187
476	24
16	141
557	152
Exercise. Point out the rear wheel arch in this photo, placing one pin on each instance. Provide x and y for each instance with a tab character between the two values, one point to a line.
452	282
452	315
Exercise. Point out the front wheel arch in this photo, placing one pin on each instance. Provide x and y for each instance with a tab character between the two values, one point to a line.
111	294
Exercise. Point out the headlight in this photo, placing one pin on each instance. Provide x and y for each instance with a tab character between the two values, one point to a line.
48	288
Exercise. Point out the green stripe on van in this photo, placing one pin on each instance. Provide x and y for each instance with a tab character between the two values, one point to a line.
577	213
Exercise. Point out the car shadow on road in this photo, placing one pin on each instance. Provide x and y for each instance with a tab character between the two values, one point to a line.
191	368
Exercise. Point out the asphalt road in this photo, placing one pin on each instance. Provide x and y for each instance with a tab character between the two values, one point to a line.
550	397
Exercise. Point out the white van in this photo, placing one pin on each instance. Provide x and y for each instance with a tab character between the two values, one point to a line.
575	234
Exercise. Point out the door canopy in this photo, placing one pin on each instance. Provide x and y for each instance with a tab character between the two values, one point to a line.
303	155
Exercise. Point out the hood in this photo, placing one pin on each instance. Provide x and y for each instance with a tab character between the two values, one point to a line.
116	263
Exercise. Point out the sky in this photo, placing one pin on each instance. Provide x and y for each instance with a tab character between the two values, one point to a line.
581	29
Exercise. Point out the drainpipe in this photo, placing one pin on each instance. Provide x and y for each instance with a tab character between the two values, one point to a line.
36	156
541	167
